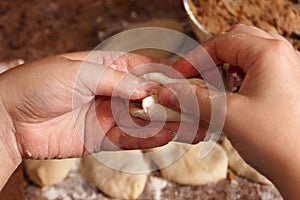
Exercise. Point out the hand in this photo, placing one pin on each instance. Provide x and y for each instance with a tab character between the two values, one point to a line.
262	118
50	99
60	107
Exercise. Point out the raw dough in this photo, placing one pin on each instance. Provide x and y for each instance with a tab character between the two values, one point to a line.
163	79
152	110
189	169
48	172
237	164
113	182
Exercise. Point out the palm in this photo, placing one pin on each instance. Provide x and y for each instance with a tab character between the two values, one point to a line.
55	115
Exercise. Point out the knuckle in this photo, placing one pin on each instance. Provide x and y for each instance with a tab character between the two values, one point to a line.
280	45
237	28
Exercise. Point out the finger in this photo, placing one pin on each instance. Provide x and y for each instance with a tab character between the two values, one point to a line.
252	30
117	139
180	96
241	49
118	60
190	133
185	132
196	101
199	63
6	65
93	79
280	37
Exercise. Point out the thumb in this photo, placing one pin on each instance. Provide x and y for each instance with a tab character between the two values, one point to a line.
194	100
8	64
124	85
94	79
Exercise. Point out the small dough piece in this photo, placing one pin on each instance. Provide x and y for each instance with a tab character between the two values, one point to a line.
113	182
237	164
152	110
189	169
48	172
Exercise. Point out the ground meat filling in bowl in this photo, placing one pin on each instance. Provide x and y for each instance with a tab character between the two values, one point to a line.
281	16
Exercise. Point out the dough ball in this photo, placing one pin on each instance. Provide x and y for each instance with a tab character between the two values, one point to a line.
48	172
189	169
115	183
237	164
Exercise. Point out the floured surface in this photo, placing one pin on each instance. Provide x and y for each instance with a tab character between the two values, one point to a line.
75	188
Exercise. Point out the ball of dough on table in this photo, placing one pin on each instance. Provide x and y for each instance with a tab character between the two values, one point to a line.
115	183
48	172
238	165
189	169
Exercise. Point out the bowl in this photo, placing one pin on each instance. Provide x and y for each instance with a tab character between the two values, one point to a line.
282	18
201	33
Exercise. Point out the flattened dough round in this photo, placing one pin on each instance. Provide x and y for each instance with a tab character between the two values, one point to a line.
189	169
48	172
237	164
112	182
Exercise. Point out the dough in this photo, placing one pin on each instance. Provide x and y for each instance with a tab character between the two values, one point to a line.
113	182
152	110
189	169
48	172
163	79
148	38
237	164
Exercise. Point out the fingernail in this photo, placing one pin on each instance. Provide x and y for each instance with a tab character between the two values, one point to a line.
20	61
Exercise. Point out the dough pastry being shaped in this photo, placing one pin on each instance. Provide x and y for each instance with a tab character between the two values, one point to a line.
189	169
115	183
163	79
237	164
152	110
48	172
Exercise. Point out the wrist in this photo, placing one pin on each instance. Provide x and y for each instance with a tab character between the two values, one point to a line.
10	156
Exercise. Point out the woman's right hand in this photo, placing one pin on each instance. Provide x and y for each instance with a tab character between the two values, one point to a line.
262	119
